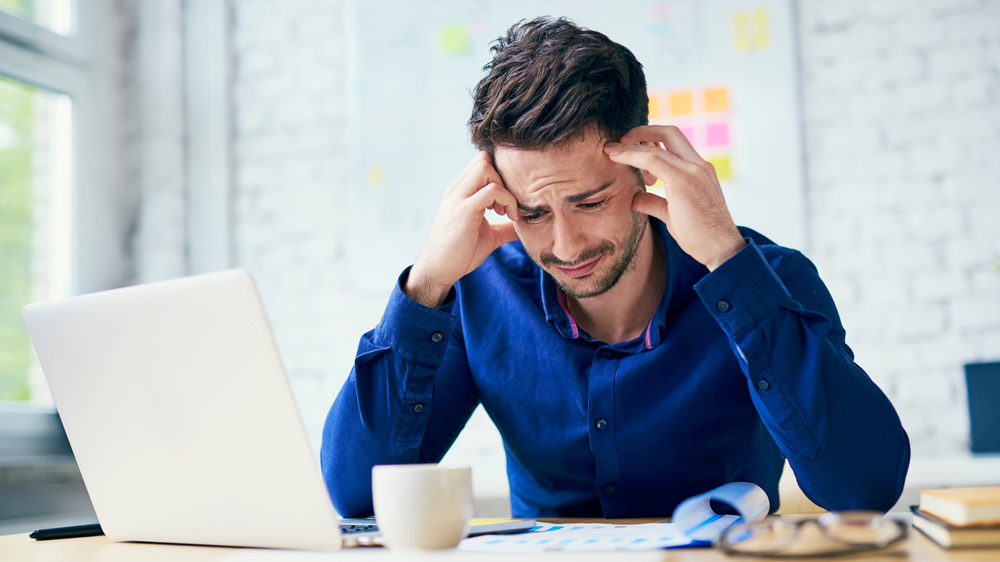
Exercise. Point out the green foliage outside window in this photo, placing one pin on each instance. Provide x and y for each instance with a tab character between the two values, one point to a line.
16	146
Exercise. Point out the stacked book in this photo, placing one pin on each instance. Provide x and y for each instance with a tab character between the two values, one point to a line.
957	517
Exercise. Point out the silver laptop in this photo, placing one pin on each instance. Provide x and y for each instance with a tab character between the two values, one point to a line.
182	421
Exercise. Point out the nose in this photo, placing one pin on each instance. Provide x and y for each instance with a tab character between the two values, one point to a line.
568	240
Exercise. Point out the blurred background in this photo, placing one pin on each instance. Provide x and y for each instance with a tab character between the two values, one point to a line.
309	141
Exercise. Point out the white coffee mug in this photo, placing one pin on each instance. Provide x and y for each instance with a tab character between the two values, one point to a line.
422	506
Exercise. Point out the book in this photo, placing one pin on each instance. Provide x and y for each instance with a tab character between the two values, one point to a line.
950	536
963	506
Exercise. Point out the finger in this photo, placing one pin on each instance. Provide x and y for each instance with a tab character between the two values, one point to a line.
650	204
660	163
478	177
504	233
671	137
492	194
474	169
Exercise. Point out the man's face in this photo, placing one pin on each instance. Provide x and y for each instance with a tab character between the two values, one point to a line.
575	208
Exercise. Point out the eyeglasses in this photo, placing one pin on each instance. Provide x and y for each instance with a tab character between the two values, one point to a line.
845	532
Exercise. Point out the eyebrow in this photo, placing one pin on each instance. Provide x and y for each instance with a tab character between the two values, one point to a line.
572	198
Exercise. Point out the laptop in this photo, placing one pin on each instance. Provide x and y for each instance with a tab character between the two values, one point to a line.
176	405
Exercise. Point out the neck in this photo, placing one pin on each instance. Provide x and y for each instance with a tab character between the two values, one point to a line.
624	311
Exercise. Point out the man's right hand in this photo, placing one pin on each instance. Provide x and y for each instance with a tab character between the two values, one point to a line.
462	238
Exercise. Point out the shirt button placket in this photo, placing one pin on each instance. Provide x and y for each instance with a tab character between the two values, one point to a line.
601	406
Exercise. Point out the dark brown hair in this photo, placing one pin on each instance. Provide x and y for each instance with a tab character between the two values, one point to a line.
550	81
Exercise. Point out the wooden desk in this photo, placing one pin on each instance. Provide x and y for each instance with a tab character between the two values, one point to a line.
20	548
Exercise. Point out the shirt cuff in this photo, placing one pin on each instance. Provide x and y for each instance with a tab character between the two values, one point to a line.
418	333
742	291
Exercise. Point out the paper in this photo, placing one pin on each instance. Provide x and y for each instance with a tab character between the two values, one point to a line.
695	524
681	103
716	99
454	39
751	30
723	169
717	134
583	537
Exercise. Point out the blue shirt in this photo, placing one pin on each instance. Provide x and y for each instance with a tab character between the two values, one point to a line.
738	369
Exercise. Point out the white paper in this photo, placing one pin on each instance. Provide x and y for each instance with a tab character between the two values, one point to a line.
582	537
695	524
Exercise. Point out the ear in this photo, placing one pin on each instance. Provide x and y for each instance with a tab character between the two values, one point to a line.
648	178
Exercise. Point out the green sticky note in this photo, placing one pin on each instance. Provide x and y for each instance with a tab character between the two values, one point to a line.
454	39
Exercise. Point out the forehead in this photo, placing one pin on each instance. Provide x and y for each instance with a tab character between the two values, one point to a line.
572	167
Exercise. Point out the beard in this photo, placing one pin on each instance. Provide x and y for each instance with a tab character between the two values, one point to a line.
610	277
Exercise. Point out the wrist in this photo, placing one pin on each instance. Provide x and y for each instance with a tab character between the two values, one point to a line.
726	253
424	291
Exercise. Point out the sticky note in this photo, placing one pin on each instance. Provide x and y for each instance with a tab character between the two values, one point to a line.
681	103
654	108
717	134
477	26
376	176
723	170
454	39
751	30
688	132
716	99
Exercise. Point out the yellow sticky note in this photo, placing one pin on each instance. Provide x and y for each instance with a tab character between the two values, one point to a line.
654	108
723	169
763	28
454	39
716	99
681	103
751	30
376	176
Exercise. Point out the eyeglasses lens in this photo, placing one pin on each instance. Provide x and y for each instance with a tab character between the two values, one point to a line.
766	536
860	528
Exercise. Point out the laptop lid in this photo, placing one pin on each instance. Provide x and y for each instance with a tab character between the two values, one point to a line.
176	405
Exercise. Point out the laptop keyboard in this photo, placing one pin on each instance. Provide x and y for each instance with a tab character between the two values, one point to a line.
350	529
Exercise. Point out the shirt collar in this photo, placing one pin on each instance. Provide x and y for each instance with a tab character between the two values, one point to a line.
560	318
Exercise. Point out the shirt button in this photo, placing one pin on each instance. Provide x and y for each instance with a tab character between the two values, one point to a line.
602	424
418	408
763	384
723	306
436	337
607	354
610	488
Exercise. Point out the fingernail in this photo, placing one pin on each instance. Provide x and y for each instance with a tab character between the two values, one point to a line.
614	153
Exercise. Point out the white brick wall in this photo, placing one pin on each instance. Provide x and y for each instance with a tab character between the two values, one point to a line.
918	283
901	103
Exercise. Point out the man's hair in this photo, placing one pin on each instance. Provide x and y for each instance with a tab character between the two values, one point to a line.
550	81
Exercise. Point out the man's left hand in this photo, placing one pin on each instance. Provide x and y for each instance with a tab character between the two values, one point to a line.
694	209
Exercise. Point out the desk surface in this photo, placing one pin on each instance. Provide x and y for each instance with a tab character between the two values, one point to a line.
20	548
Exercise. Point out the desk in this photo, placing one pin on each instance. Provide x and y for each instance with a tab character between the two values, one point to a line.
19	548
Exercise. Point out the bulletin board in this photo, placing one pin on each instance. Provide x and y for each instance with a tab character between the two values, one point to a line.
724	71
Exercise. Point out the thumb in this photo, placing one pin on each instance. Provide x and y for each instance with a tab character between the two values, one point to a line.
650	204
504	233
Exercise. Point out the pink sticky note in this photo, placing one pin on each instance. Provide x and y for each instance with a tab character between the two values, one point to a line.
687	131
717	134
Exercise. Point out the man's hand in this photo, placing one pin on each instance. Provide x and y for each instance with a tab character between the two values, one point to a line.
461	237
694	209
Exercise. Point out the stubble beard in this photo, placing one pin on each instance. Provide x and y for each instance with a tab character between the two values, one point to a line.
610	278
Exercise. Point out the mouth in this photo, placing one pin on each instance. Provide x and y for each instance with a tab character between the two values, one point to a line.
582	269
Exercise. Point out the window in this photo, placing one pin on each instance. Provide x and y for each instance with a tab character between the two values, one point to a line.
54	15
42	75
35	181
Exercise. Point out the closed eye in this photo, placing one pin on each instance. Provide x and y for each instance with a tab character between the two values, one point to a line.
533	218
594	205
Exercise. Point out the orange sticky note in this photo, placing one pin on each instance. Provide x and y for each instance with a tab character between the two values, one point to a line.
681	103
723	169
716	99
654	108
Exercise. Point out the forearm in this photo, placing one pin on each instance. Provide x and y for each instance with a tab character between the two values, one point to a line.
839	432
383	414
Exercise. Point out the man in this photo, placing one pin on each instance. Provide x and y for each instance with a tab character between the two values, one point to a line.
633	350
